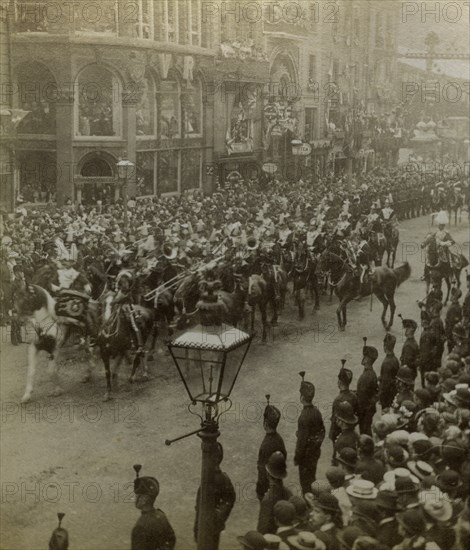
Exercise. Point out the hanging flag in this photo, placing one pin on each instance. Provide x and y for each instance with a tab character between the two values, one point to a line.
165	63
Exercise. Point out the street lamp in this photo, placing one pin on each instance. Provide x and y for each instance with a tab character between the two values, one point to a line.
208	358
123	167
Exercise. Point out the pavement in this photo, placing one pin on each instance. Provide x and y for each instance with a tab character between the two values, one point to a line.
74	453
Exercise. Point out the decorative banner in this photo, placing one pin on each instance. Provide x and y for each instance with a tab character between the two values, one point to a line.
269	167
188	67
165	64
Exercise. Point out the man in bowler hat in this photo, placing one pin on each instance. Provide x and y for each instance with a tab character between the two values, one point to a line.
271	443
367	390
310	436
277	471
152	530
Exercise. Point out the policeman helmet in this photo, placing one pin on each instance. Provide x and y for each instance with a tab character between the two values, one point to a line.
145	485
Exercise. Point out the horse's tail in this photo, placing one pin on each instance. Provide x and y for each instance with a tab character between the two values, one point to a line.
402	273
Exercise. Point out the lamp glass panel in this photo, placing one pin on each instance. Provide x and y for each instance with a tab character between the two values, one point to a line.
201	370
233	363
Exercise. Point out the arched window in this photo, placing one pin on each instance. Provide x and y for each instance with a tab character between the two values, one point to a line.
170	112
192	110
146	107
37	94
96	167
98	105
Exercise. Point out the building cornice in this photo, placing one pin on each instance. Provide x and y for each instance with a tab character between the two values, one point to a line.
115	42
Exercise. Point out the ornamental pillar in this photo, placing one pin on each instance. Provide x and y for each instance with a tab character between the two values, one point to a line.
64	133
129	133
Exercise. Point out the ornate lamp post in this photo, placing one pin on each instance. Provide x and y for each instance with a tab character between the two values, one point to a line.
124	166
208	358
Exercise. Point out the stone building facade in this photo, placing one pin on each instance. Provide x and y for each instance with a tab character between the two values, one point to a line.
191	91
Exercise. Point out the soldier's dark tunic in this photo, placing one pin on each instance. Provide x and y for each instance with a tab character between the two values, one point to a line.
427	350
310	435
367	390
153	532
388	384
410	354
437	326
275	493
271	443
344	395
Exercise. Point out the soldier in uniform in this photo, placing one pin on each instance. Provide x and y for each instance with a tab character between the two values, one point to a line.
271	443
345	377
124	298
427	346
60	537
388	372
453	316
224	497
410	350
310	435
367	389
437	326
152	530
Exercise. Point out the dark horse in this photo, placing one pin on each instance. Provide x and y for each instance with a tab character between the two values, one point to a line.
383	283
118	336
261	292
304	278
441	265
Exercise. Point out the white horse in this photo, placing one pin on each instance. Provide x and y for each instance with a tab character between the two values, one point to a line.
39	308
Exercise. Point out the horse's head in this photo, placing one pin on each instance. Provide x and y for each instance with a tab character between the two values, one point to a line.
30	298
45	276
430	239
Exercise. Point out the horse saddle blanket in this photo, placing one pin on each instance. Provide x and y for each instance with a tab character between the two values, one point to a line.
457	260
72	308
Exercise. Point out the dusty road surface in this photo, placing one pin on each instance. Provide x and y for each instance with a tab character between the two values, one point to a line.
74	453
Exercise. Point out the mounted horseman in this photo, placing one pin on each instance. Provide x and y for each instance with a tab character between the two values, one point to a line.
390	230
442	260
376	236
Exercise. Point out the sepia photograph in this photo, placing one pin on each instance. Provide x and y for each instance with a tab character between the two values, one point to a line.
235	280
